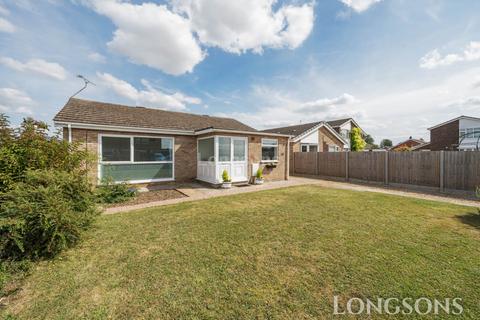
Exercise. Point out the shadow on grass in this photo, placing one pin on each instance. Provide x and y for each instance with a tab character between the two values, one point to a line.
471	219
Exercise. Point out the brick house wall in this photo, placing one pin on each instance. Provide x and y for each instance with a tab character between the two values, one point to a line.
445	137
186	153
326	138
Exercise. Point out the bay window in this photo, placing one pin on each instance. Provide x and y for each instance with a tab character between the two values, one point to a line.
136	159
269	150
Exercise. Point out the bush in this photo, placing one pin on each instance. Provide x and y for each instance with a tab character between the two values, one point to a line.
225	176
110	192
30	148
44	214
259	174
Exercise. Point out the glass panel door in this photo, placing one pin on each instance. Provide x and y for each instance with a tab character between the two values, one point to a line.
224	149
239	149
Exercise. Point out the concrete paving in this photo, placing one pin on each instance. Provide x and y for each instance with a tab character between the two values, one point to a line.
197	191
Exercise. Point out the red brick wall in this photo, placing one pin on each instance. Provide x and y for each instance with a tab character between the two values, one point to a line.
185	151
445	137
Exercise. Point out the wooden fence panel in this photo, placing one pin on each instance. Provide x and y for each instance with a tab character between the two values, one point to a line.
416	168
305	163
331	164
462	170
367	166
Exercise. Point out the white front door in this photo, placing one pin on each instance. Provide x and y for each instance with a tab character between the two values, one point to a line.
232	157
239	159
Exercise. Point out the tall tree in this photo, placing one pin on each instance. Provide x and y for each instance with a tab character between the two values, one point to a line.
356	141
6	133
369	139
386	143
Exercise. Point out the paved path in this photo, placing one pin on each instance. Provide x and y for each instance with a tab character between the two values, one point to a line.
196	191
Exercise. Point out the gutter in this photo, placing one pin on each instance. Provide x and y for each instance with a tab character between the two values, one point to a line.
213	130
74	125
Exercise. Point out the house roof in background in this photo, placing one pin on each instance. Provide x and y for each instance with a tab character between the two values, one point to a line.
81	111
421	146
452	120
417	141
338	122
301	130
294	130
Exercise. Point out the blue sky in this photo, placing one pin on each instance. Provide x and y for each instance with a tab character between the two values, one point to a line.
396	66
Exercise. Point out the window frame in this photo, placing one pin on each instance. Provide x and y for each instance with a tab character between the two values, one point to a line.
132	156
261	150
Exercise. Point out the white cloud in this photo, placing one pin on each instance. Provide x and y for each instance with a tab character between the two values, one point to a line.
249	24
97	57
359	5
6	26
150	96
40	66
279	109
434	59
166	39
326	103
13	100
152	35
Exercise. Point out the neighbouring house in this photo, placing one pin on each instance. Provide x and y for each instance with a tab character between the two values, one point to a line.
461	133
407	144
144	145
421	147
344	127
312	137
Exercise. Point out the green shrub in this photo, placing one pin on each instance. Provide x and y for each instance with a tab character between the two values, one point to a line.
30	148
356	140
259	174
44	214
225	176
111	192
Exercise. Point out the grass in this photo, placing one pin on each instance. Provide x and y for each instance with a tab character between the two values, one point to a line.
280	254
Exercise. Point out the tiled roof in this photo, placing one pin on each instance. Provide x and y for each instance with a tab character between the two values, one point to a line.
100	113
293	130
337	123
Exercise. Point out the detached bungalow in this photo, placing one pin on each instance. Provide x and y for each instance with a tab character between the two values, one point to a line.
143	145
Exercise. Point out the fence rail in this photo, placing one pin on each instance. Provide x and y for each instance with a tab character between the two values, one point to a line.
452	170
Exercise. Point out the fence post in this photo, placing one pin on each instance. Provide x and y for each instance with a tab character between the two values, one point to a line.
442	170
386	168
346	165
293	160
316	163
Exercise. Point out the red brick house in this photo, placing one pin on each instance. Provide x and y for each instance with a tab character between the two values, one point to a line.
461	133
407	144
143	145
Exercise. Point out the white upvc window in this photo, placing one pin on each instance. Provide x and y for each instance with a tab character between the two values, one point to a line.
269	150
135	159
308	147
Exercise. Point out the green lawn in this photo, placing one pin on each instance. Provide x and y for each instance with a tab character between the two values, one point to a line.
278	254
